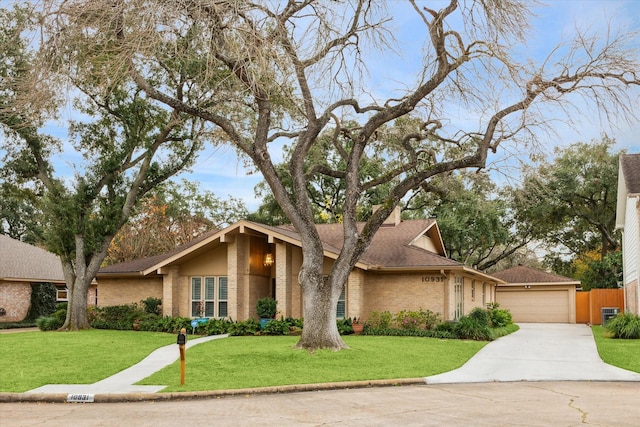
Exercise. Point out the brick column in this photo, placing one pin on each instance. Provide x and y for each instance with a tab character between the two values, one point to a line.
355	294
283	279
171	292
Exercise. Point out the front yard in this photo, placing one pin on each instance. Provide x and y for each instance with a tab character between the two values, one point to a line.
32	359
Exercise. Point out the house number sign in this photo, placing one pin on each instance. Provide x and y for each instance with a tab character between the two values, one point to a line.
432	279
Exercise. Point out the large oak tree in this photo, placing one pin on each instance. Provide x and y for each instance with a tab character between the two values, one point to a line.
266	72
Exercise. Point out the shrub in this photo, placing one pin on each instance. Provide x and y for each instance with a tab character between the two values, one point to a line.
248	327
118	317
500	317
481	316
266	308
624	325
43	300
217	326
55	321
276	327
344	326
152	305
470	329
380	320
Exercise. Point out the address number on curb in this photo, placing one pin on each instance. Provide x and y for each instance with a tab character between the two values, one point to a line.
80	398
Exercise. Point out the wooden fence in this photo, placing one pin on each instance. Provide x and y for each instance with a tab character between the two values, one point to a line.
589	304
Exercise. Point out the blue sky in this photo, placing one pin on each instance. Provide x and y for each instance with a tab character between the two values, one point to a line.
219	169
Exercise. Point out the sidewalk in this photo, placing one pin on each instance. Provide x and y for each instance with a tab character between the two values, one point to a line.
123	382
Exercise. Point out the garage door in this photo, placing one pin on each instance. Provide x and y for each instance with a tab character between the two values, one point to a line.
536	306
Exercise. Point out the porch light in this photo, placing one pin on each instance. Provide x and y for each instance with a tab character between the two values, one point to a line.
268	260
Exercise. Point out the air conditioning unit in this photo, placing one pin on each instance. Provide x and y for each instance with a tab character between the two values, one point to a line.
609	313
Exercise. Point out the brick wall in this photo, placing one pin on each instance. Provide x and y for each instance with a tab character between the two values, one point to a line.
127	291
631	295
387	292
15	298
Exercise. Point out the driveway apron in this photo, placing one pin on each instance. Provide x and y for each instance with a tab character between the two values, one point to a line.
538	352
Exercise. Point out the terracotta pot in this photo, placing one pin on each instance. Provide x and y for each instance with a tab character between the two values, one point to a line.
357	328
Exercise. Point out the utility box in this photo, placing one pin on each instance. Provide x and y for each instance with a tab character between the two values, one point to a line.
609	313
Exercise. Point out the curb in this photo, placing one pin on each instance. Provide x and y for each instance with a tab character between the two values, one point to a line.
145	397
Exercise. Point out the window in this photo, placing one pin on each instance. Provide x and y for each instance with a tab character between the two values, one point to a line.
206	293
473	290
484	294
62	294
459	296
341	310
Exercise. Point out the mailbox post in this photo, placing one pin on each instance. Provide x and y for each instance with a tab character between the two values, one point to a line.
182	341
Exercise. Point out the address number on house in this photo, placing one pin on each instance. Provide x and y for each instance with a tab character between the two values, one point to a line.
432	279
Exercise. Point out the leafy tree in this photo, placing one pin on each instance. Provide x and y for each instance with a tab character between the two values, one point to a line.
261	73
172	215
570	202
128	147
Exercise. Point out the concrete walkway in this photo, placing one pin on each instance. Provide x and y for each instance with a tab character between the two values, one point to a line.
123	382
538	352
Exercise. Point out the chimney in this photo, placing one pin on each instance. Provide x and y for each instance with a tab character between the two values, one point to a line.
394	218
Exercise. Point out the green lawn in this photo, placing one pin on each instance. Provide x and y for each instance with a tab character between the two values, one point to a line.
31	359
245	362
617	352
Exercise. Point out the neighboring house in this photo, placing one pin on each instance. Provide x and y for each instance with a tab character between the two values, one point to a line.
627	220
21	265
225	272
533	295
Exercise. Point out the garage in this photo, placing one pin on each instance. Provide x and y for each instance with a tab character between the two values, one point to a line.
536	305
536	296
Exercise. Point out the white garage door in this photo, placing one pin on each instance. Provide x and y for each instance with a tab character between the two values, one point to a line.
536	305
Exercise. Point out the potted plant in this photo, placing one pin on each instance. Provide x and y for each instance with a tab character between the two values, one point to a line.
266	309
357	326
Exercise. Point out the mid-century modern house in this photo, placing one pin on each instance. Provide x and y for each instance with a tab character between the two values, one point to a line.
227	271
22	265
628	220
533	295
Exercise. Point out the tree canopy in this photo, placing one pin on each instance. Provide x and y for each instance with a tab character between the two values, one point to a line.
260	73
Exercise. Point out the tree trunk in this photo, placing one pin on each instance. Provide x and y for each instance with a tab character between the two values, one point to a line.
320	327
77	308
320	302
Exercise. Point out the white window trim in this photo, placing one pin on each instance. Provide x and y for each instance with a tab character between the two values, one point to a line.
205	298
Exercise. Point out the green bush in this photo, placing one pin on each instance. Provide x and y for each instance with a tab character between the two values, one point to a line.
276	327
117	317
344	326
266	308
470	329
217	326
248	327
481	315
500	317
624	325
43	300
152	305
380	320
55	321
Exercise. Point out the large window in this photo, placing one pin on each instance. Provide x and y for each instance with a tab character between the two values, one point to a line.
209	296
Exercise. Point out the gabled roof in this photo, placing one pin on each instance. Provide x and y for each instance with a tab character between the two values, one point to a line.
390	249
628	184
521	274
21	261
630	167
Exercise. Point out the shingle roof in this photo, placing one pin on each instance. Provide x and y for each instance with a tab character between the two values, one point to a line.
22	261
390	245
142	264
524	274
630	164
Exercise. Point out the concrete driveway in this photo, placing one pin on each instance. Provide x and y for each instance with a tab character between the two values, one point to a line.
538	352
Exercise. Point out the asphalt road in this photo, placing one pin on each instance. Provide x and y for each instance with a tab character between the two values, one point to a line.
567	403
